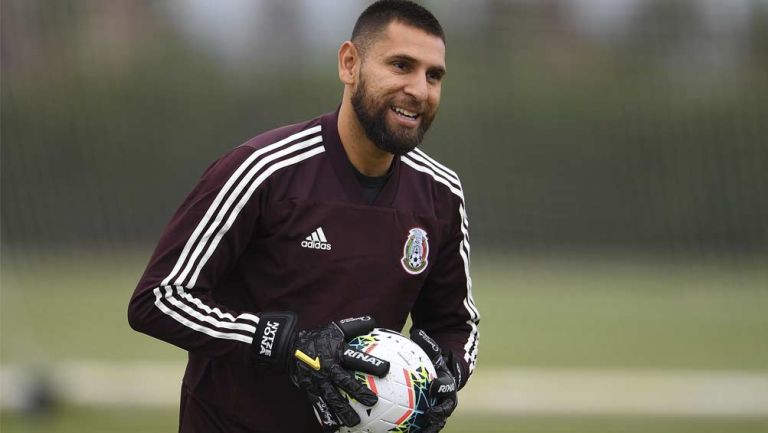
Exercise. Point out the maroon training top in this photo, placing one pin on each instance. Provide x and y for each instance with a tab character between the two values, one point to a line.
281	223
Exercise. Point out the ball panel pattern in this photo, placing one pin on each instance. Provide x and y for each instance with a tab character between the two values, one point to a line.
403	393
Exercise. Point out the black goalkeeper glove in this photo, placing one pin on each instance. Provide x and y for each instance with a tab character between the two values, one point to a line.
444	388
318	360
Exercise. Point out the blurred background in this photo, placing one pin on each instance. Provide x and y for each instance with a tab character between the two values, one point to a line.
614	155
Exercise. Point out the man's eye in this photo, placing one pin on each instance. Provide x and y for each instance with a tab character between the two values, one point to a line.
398	65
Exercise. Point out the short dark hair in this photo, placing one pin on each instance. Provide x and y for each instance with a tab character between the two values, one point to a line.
378	16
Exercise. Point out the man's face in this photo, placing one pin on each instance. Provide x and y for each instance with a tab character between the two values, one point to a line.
398	89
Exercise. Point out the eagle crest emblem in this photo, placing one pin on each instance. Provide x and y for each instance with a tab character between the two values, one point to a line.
415	251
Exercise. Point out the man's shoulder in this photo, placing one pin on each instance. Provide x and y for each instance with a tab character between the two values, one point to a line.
422	165
293	133
279	147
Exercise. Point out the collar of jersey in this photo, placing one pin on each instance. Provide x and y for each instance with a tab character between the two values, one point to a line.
345	171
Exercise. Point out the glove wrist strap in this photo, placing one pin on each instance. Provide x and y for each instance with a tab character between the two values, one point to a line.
274	338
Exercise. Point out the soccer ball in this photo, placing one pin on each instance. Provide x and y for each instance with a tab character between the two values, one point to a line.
403	393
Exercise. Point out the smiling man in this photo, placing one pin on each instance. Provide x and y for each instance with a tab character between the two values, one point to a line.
303	226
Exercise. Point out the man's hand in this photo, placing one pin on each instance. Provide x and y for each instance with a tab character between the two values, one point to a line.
316	361
444	388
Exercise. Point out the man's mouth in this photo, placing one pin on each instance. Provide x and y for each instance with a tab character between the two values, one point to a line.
412	115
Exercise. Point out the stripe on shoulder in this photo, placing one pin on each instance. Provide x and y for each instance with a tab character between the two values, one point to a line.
445	170
420	161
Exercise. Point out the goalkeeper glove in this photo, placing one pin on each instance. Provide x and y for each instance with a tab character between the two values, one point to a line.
318	360
444	388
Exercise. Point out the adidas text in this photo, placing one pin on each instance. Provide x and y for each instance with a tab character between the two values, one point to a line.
317	241
316	245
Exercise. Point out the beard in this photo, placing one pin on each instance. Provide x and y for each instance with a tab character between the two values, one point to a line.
373	118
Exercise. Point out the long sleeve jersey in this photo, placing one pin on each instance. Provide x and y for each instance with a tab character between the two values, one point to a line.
280	223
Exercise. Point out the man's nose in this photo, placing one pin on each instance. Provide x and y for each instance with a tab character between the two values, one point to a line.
417	87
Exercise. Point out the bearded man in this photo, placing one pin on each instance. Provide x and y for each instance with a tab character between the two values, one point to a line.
303	226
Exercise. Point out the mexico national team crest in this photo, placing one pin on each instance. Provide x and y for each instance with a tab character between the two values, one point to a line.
415	251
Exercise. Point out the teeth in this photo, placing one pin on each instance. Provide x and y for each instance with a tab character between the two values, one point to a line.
405	112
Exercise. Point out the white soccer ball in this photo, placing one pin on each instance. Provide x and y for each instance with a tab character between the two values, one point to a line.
403	393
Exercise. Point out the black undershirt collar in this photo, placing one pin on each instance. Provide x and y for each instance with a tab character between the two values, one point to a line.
372	186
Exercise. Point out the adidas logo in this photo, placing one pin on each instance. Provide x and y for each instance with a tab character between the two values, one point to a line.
316	241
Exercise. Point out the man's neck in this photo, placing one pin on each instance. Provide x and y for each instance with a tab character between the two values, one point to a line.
362	153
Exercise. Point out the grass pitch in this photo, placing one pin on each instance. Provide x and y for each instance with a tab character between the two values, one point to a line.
78	420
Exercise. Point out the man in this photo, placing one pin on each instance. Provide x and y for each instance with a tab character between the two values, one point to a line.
303	226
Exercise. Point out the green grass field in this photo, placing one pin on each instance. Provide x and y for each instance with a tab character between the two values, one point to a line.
553	311
620	312
79	420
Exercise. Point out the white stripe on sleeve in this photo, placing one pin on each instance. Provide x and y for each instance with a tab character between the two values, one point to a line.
215	322
192	325
268	172
227	207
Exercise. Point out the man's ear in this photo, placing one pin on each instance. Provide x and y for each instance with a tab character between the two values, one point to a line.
349	63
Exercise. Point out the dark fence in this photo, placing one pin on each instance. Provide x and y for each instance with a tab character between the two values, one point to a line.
570	127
